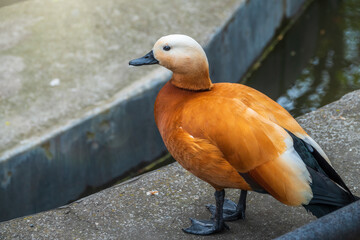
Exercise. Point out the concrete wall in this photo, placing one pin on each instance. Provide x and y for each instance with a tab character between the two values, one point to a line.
87	155
115	137
242	39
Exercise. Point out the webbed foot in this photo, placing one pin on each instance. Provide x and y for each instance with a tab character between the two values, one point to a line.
205	227
231	211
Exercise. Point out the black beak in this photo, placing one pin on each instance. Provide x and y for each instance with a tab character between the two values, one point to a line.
148	59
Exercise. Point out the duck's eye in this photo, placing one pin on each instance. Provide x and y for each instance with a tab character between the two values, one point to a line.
166	48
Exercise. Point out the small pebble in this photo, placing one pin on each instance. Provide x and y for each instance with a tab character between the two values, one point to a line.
153	192
55	82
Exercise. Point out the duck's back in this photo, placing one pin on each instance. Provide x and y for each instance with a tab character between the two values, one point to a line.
261	104
170	97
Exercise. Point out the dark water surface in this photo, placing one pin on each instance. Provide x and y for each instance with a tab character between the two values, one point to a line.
317	61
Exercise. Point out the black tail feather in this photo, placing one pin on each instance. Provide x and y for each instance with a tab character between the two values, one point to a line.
329	190
327	195
319	210
330	171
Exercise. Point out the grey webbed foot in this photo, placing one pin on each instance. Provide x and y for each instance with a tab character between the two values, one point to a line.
205	227
217	224
231	211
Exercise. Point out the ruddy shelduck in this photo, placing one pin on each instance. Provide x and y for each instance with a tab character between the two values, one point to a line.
233	136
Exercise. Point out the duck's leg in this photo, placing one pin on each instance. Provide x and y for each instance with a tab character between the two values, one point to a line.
206	227
231	211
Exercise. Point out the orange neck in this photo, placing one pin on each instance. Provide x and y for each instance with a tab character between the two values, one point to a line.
193	82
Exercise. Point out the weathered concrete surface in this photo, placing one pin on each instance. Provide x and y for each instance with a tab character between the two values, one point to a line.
126	212
86	45
73	115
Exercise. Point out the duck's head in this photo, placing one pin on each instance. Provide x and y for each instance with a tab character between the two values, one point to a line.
184	57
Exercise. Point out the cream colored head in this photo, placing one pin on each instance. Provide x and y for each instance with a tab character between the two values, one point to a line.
180	53
184	57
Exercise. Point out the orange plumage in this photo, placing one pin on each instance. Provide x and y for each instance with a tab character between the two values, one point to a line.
233	136
215	134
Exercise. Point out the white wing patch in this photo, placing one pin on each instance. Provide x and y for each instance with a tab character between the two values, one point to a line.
298	171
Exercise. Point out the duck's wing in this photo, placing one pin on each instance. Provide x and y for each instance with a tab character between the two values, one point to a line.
269	109
203	159
260	150
256	147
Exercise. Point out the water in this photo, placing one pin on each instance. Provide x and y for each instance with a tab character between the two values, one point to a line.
317	61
